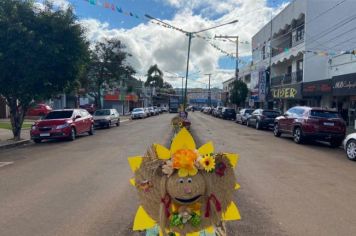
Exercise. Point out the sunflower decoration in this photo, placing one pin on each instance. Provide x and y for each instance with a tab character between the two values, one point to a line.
184	190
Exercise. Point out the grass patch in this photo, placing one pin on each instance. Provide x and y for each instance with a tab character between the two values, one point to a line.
7	125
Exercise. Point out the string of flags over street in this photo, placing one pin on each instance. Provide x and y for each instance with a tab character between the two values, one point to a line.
116	8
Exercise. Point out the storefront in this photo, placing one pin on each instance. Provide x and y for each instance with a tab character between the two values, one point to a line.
287	96
344	91
318	93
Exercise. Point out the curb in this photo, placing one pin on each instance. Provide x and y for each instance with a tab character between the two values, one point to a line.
15	144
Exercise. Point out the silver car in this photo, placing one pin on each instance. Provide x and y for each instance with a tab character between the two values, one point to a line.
106	118
350	146
138	113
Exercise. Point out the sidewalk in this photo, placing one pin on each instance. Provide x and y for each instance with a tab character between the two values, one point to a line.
6	138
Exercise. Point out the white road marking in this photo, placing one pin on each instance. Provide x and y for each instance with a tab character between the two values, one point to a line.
2	164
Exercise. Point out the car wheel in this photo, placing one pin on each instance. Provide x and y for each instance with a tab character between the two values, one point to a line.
247	123
298	135
73	134
91	131
351	150
37	140
335	143
258	125
276	131
118	122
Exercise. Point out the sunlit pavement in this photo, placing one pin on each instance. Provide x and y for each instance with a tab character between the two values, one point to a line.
82	188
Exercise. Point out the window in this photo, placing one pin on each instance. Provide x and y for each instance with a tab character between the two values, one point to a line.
300	33
324	114
59	115
289	70
300	65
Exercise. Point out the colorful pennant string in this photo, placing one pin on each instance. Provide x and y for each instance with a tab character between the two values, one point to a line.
111	6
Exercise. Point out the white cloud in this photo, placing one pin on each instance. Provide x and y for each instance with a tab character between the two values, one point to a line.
153	44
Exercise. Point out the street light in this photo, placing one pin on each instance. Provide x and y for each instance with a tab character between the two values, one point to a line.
190	36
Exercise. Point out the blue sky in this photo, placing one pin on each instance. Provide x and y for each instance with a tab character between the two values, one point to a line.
137	34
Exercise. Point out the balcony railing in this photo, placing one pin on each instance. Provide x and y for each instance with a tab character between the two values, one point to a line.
295	77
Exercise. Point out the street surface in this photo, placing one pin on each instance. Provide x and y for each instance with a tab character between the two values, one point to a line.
82	188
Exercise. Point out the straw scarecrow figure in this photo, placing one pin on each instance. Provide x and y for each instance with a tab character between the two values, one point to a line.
184	190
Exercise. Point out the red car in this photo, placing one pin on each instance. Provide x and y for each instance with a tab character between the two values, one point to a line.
39	110
311	123
63	124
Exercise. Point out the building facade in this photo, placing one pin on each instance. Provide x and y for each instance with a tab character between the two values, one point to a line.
295	50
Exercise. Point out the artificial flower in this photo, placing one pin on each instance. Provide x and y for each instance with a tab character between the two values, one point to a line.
167	168
220	169
208	162
183	161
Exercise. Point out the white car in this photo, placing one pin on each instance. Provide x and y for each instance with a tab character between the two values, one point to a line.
106	118
350	146
138	113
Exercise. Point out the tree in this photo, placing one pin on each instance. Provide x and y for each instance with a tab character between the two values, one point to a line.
238	93
107	68
42	52
154	77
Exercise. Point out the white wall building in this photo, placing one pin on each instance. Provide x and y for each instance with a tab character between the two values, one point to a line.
303	35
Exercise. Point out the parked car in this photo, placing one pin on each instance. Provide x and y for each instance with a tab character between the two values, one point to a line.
261	118
138	113
152	111
311	123
147	111
156	110
89	107
39	110
228	113
350	146
62	124
217	111
243	115
106	118
164	109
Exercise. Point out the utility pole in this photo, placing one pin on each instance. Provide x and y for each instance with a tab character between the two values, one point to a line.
209	92
237	51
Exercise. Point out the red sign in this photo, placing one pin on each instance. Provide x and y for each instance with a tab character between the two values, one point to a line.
111	97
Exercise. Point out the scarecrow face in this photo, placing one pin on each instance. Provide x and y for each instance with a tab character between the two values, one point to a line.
186	190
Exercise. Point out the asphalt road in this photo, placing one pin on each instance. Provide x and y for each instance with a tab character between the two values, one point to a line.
81	187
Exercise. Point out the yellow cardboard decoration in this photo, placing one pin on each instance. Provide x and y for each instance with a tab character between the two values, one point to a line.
162	152
233	158
183	140
237	186
210	230
207	148
232	213
135	162
133	182
142	220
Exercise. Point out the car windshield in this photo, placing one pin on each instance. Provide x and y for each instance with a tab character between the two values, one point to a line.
324	114
102	113
137	110
271	113
248	111
59	115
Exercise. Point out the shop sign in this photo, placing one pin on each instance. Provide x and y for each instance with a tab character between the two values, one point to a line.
344	85
262	86
287	92
317	88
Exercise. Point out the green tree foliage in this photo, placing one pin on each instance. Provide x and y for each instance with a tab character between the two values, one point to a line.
107	68
239	93
154	77
42	52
